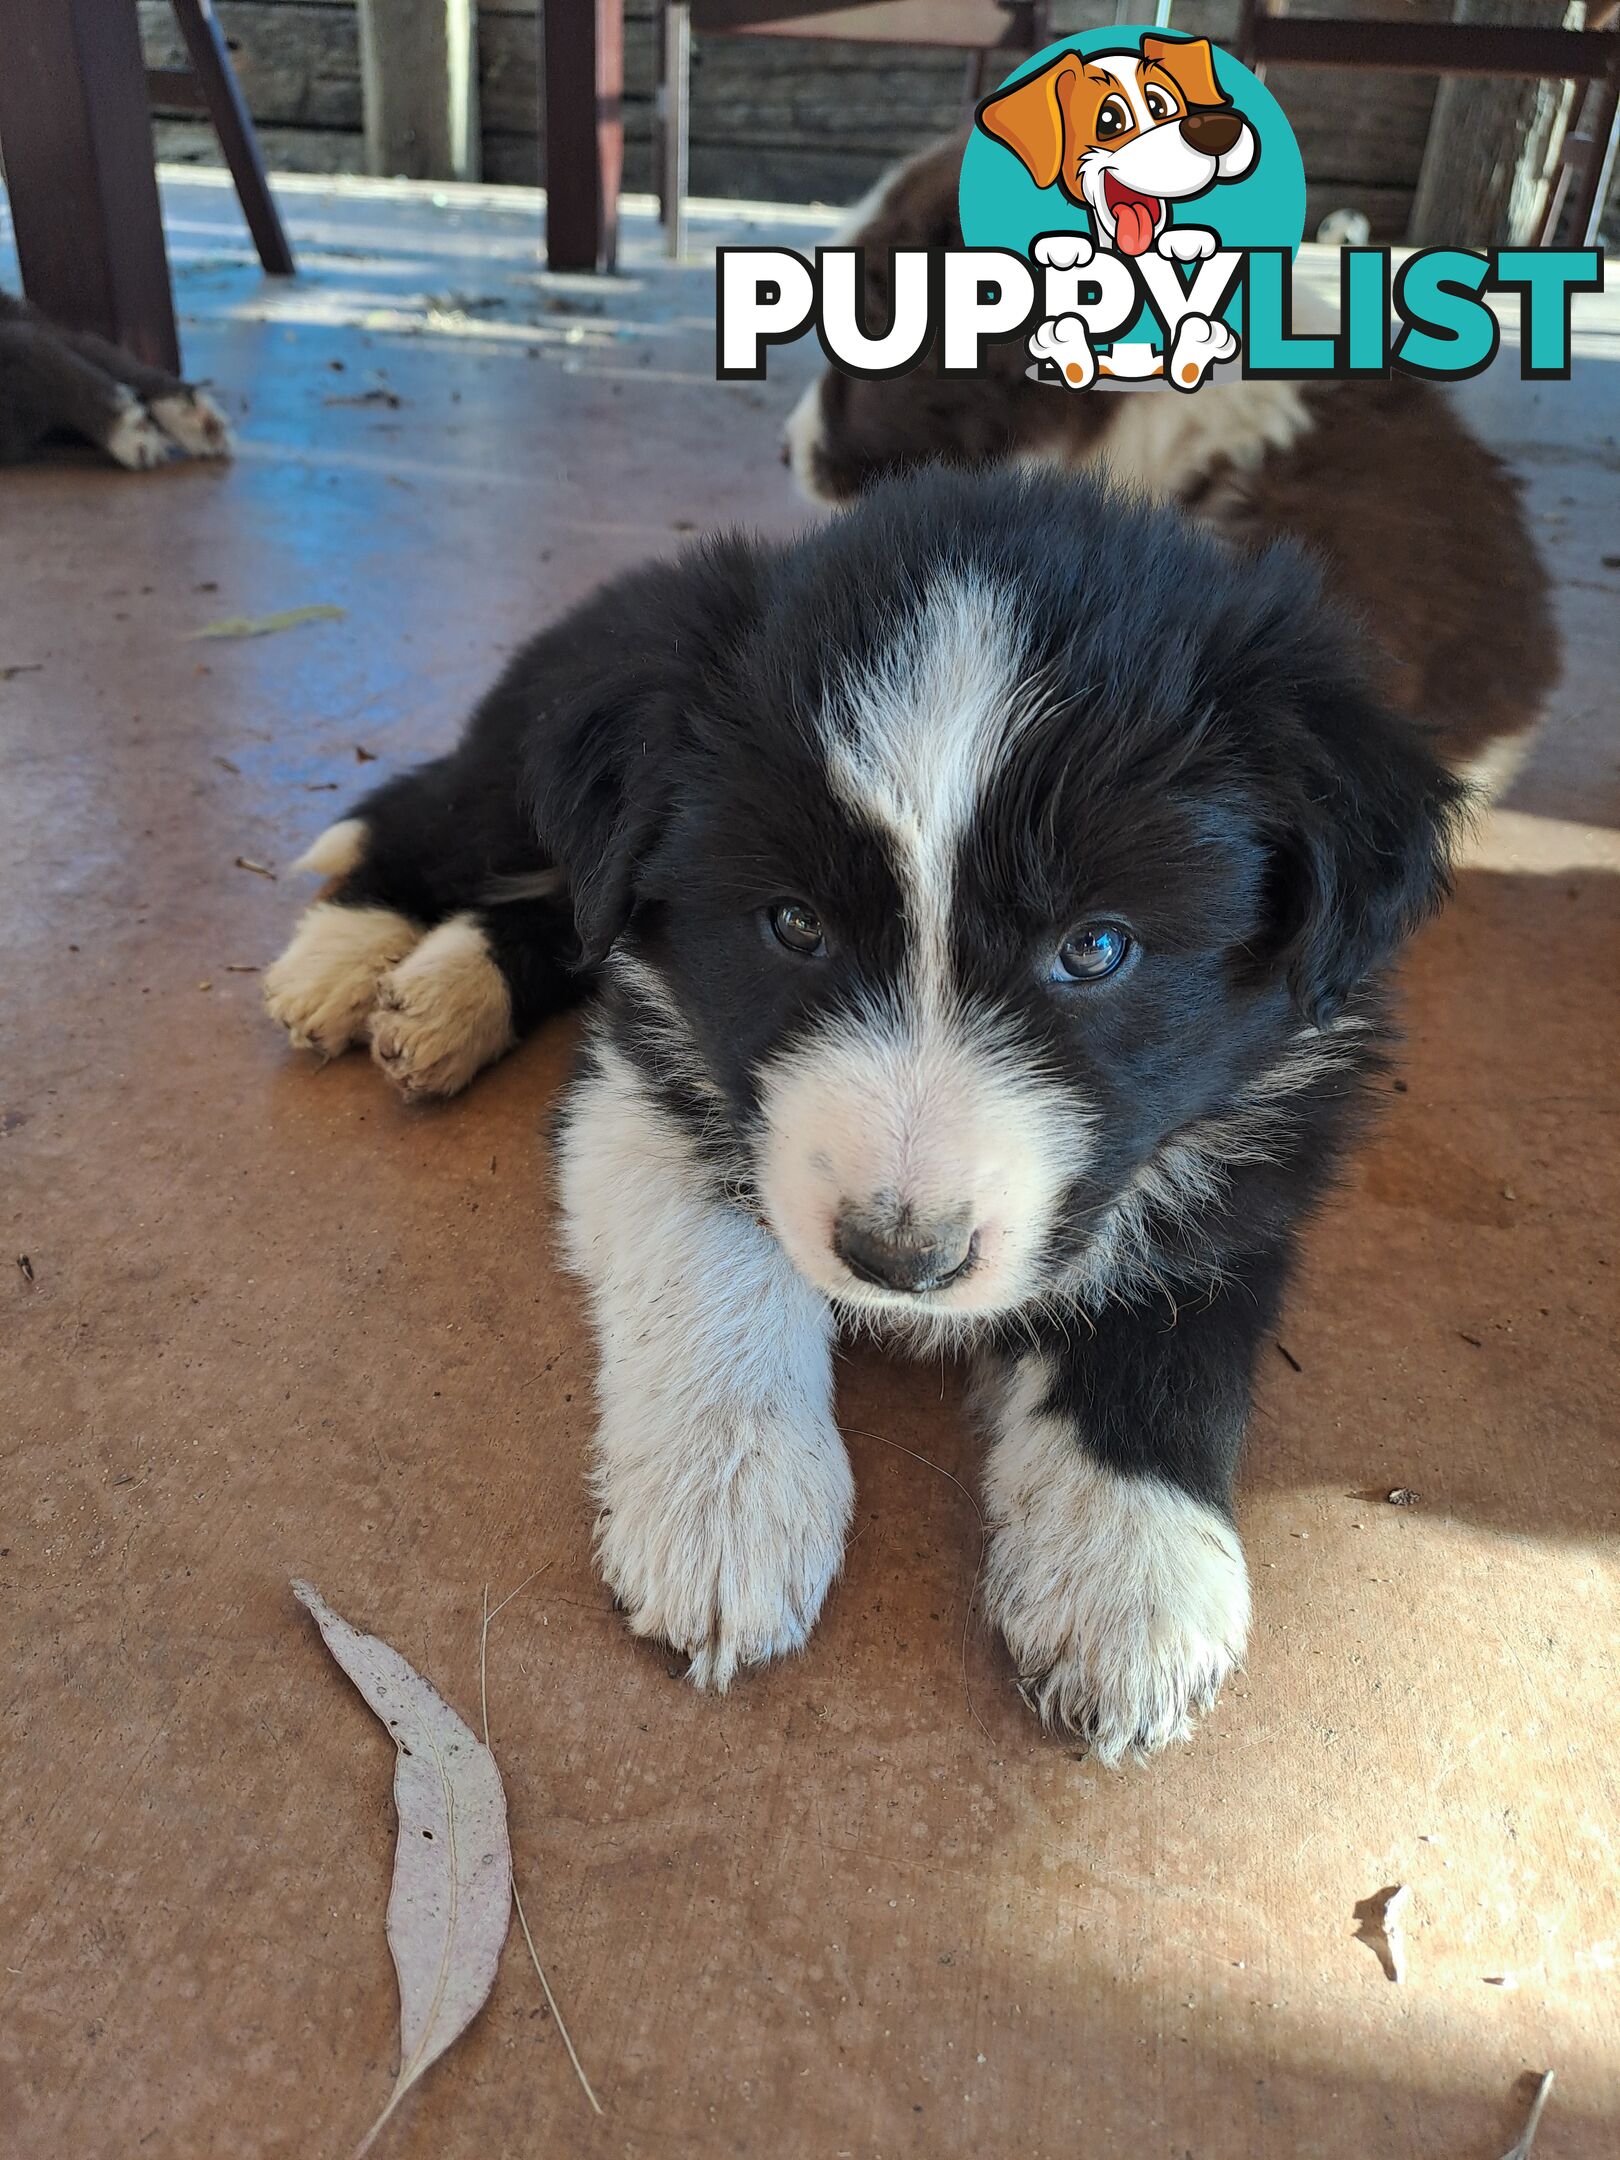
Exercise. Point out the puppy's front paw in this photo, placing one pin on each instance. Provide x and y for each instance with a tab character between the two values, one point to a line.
1124	1601
324	987
443	1014
134	440
191	419
724	1542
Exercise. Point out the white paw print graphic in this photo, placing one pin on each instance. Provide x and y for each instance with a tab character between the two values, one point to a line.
1063	251
1199	343
1186	243
1065	343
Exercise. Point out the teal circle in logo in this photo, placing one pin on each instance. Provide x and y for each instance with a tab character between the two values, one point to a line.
1067	115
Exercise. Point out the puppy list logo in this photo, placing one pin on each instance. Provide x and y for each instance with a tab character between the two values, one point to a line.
1132	168
1131	205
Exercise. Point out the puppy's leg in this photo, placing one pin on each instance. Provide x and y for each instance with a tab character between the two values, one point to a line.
45	389
724	1487
188	416
1114	1569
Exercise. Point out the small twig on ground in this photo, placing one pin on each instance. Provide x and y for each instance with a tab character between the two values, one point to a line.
1521	2151
517	1900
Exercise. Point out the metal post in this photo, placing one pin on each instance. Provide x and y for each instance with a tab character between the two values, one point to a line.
674	113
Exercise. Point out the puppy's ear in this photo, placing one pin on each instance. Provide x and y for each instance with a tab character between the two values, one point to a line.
1190	63
615	687
1367	821
1029	118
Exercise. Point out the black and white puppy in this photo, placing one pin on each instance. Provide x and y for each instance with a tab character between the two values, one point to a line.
988	896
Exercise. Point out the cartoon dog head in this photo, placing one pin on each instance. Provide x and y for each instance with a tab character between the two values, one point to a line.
1125	134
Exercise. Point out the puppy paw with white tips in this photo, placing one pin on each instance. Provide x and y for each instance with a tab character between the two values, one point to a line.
134	439
1066	343
192	420
1200	343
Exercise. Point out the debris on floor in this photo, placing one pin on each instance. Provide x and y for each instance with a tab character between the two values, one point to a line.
1403	1496
1379	1922
451	1901
246	626
259	869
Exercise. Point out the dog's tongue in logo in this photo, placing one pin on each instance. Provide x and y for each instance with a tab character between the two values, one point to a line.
1136	216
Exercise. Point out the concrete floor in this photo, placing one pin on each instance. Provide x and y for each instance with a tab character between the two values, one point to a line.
277	1325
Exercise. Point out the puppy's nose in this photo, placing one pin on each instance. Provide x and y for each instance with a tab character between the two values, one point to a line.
1212	132
903	1254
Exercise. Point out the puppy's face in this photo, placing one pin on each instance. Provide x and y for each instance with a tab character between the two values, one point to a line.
969	890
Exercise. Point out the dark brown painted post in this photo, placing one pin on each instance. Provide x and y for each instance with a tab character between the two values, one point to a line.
583	63
77	134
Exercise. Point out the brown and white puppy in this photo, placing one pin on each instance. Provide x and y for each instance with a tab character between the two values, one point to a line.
1125	134
1418	525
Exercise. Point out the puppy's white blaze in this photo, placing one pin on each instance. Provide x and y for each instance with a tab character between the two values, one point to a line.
915	1101
914	740
337	851
1124	1601
926	1111
724	1486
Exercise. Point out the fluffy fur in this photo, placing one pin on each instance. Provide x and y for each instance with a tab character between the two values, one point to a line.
821	823
1418	527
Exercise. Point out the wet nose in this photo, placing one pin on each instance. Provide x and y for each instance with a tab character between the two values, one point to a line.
1212	132
902	1253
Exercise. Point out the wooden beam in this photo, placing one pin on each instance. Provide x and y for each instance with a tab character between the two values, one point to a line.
583	62
77	135
227	108
1439	48
419	86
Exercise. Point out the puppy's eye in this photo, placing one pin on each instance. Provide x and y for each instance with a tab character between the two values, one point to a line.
1091	953
1113	118
798	928
1158	102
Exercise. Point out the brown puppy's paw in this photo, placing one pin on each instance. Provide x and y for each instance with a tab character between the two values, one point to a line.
443	1014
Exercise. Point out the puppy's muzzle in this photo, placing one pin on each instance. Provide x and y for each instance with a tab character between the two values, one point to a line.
1212	133
899	1253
